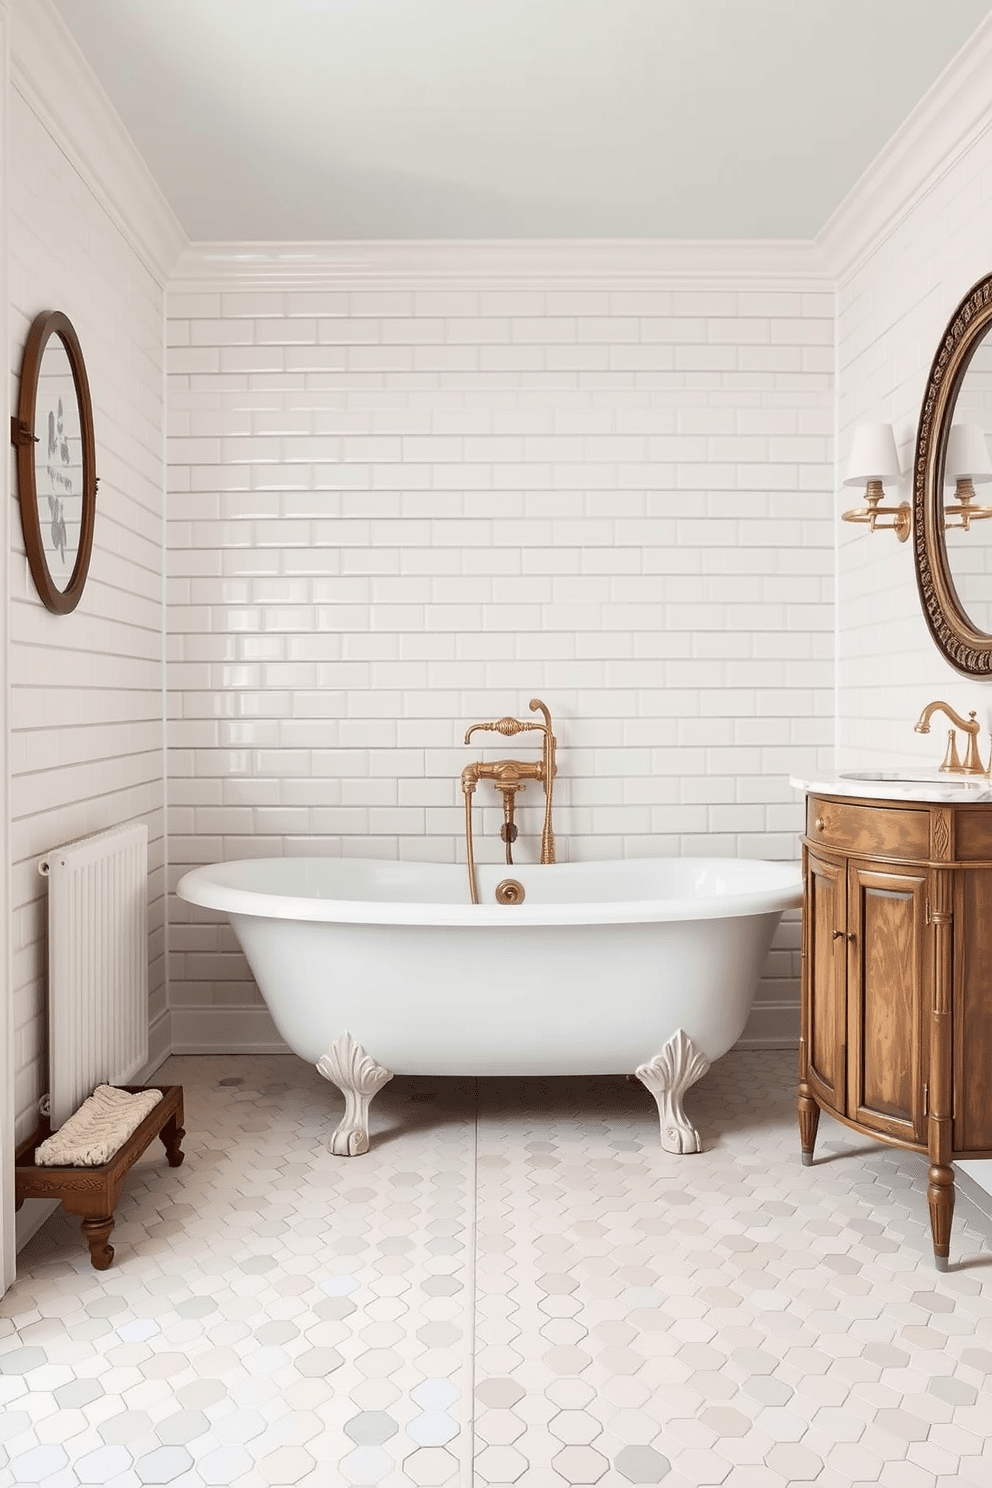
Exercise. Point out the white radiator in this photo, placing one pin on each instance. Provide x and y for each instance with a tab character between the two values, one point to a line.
97	964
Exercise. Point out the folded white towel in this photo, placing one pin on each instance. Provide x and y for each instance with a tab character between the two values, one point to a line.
99	1128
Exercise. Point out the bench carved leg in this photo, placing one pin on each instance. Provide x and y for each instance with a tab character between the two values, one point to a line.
172	1134
668	1076
97	1233
358	1077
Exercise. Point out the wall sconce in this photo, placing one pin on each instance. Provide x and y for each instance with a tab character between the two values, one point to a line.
874	460
967	461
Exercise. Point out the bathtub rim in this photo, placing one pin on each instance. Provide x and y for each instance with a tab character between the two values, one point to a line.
784	892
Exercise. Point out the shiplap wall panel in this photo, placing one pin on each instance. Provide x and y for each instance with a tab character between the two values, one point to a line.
86	701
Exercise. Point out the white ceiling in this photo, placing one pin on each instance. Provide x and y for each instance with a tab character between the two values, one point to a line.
289	120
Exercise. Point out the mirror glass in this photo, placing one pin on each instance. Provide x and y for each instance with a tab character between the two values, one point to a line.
952	484
58	463
969	552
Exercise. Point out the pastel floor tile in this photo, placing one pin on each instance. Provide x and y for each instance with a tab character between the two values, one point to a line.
514	1266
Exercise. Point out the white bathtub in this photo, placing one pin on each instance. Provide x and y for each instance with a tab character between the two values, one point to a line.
641	965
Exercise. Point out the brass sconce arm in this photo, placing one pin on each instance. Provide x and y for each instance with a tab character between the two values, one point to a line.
872	513
965	510
874	459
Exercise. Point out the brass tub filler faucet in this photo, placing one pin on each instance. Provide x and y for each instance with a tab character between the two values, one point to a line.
952	764
510	776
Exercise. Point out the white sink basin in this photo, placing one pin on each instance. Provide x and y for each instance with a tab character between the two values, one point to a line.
899	785
968	782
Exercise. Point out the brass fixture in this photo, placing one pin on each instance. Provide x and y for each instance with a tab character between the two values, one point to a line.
952	764
510	776
967	461
873	460
510	891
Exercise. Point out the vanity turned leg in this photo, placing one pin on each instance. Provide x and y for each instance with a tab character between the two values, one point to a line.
668	1076
809	1120
97	1232
940	1197
358	1077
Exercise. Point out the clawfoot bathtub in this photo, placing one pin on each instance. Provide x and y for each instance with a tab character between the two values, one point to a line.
373	968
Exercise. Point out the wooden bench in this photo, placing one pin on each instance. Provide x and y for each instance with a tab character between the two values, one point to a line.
93	1192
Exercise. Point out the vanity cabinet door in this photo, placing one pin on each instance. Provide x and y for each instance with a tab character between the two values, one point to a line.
972	1015
824	999
886	950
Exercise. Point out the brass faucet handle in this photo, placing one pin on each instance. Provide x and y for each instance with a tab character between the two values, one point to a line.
952	763
973	757
505	726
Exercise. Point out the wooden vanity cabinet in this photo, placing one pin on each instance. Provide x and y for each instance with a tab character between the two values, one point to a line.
896	1025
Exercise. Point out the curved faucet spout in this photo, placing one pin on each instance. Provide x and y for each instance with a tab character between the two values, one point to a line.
972	760
971	725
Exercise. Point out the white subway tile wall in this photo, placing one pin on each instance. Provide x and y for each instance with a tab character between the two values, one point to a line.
892	310
86	702
395	512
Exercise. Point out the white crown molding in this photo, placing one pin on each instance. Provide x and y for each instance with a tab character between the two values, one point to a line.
53	77
780	264
954	113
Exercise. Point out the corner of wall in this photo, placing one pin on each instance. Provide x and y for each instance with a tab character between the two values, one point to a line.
954	113
89	131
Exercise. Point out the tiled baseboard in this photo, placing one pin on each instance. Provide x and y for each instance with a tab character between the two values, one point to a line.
236	1030
250	1030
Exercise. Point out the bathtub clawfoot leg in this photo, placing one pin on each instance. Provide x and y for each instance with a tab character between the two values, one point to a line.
668	1076
358	1077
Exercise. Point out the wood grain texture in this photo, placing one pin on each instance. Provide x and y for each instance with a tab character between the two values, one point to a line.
973	835
886	915
972	1011
871	831
896	1008
825	978
92	1193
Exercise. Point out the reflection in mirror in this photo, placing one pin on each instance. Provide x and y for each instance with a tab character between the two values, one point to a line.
966	465
58	463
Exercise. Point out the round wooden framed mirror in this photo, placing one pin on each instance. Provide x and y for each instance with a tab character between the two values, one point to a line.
954	552
56	461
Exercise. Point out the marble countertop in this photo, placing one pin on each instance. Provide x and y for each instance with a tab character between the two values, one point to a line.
897	785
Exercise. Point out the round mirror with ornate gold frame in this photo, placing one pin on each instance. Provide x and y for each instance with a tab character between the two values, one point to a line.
56	461
950	576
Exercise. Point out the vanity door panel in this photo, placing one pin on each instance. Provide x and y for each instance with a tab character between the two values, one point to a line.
972	1011
886	921
826	973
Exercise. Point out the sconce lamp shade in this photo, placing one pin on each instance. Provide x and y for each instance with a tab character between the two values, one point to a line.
873	460
873	455
967	455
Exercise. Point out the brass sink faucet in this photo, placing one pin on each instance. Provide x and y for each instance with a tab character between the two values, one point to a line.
510	776
952	764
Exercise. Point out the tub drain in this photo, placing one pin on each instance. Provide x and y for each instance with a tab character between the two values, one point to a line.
509	892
